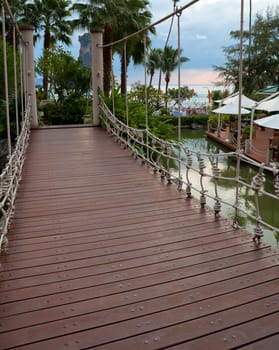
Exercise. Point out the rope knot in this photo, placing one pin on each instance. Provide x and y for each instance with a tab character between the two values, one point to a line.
258	180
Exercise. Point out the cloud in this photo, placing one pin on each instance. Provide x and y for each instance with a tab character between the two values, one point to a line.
205	30
188	76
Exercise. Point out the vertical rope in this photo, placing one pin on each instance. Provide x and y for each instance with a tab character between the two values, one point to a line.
112	92
21	80
146	97
239	113
179	99
6	82
15	79
126	94
125	77
25	59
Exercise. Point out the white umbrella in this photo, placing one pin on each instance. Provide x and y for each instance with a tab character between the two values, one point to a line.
246	102
271	122
269	105
230	108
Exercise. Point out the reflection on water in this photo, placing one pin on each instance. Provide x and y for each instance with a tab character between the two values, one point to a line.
197	141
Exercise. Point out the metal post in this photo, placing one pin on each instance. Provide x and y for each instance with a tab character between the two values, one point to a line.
97	71
29	67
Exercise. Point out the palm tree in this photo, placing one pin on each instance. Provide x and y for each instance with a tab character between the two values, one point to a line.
166	44
153	62
169	63
136	17
118	19
17	8
104	14
52	18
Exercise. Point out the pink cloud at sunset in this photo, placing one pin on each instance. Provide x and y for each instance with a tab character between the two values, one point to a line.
198	76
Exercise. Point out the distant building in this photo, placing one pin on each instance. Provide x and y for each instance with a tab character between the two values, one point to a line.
85	51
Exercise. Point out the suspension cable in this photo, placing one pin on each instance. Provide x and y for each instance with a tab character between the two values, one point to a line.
178	14
6	83
125	81
146	93
21	79
239	115
15	80
112	92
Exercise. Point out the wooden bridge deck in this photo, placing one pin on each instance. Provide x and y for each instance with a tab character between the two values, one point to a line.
104	255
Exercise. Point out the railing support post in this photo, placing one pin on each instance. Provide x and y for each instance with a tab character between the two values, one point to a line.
97	70
29	71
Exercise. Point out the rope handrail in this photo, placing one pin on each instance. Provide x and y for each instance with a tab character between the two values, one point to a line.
10	178
163	153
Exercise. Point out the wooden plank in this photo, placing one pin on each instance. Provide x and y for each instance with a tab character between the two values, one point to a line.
103	254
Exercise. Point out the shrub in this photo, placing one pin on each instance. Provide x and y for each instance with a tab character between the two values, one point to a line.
68	111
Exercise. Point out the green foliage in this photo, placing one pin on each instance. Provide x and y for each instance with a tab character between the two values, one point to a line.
246	131
219	94
137	94
137	116
68	111
185	94
213	120
164	111
67	77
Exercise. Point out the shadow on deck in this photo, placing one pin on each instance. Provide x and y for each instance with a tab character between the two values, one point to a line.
102	254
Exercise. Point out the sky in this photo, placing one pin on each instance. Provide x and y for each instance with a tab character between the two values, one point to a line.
204	28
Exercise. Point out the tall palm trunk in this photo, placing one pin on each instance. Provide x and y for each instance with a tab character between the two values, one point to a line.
46	52
151	77
167	80
124	73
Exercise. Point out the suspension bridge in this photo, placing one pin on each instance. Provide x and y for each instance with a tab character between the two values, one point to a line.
104	246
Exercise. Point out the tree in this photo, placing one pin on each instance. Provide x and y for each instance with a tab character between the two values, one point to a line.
118	19
68	78
153	62
185	94
169	63
260	54
104	14
52	18
17	8
136	17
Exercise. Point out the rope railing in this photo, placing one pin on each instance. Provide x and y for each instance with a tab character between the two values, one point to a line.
18	119
167	157
10	178
196	173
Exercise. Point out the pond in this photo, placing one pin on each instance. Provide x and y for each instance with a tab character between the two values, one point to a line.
196	140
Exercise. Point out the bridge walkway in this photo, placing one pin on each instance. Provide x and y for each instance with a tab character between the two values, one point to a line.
103	254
